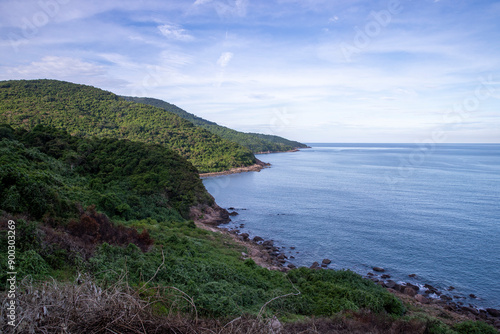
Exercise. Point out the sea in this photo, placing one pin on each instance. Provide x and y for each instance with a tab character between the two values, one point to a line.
432	210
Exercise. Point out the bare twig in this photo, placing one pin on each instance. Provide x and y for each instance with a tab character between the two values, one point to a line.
262	309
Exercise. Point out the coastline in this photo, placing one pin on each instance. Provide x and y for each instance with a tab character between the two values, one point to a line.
257	167
265	254
426	297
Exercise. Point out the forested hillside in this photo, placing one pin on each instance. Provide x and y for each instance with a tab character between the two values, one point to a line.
46	172
86	111
254	141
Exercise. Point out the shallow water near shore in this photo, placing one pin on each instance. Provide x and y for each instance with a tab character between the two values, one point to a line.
433	211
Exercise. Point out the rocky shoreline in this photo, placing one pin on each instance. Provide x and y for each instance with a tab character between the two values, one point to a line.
257	167
266	254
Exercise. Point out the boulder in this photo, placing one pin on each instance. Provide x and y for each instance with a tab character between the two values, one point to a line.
410	292
470	310
326	261
233	213
244	236
421	299
291	266
390	284
451	288
378	269
493	312
412	275
257	239
282	256
268	244
315	265
473	296
384	276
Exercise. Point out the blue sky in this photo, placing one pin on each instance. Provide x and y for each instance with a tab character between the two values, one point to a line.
310	70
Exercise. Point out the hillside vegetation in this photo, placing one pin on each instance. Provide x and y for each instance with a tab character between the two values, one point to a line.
87	111
254	141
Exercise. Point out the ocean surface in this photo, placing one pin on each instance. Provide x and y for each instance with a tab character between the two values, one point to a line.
433	211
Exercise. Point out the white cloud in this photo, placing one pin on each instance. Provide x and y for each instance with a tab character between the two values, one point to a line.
224	59
57	67
175	32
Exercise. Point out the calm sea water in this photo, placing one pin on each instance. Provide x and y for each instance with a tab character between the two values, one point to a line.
424	210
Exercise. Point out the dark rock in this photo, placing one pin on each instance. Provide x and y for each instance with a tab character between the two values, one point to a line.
242	225
324	265
493	312
292	257
257	239
292	247
470	310
390	284
414	287
268	243
245	236
409	291
233	213
231	208
315	265
370	274
421	299
291	266
412	275
473	296
374	279
497	324
384	276
378	269
445	297
282	257
451	288
326	261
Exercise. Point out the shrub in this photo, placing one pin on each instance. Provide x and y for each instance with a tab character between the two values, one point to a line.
474	327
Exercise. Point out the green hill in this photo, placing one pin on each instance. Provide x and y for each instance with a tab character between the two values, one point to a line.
254	141
87	111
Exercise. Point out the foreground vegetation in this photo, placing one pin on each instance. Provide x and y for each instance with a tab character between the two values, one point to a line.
254	141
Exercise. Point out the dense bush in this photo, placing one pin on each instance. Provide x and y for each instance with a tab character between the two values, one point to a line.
46	170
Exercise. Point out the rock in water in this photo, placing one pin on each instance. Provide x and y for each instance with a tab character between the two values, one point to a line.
378	269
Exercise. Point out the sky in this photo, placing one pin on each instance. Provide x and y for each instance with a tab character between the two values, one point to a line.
310	70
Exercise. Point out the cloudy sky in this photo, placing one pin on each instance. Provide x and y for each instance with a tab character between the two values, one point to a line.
310	70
